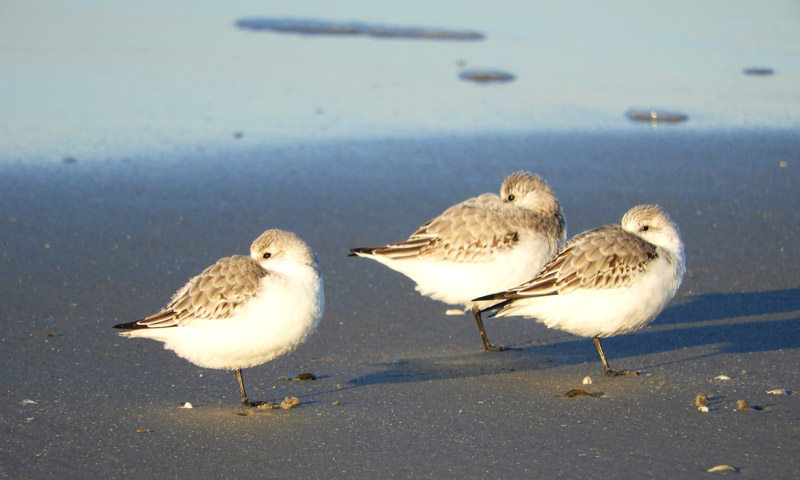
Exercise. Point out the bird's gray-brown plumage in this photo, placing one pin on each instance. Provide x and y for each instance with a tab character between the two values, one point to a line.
480	244
604	282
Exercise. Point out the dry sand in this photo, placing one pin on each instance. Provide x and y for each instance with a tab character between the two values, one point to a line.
87	245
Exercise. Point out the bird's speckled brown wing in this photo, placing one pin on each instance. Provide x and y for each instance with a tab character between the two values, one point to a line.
608	257
471	231
215	294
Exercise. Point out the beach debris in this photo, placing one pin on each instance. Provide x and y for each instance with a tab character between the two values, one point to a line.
283	378
454	311
305	376
722	468
779	391
758	71
486	76
783	164
577	392
289	402
656	116
587	380
143	430
336	403
701	400
323	27
187	405
742	405
702	409
28	401
722	378
266	406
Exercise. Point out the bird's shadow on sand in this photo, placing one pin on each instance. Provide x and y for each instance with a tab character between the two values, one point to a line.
734	322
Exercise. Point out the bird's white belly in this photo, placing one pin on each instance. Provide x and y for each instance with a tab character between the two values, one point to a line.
272	323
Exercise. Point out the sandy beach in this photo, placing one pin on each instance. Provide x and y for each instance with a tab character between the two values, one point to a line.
88	245
140	142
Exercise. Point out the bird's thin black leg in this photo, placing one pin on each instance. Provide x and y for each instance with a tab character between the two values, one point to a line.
609	371
476	312
245	401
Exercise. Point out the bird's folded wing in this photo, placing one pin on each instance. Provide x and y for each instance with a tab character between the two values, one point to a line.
472	231
608	257
217	293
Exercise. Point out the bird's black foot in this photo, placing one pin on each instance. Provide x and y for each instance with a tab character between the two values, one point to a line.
620	373
495	348
499	348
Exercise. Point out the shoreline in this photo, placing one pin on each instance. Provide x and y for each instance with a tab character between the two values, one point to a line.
91	244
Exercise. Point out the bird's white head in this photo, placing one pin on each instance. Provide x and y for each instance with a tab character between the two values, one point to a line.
529	191
654	225
276	248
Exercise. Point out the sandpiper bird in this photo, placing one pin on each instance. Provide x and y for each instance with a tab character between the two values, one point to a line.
242	311
482	245
605	282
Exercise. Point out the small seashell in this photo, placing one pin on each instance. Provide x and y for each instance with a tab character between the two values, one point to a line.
336	403
587	380
288	403
701	400
454	311
722	468
142	430
702	409
187	405
28	402
741	405
305	376
722	377
778	391
283	378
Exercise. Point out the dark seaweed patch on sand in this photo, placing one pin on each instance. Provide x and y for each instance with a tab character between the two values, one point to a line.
323	27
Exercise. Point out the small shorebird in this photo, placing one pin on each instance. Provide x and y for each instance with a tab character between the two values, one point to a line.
484	244
605	282
242	311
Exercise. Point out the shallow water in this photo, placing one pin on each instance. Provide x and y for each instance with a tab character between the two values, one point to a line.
81	80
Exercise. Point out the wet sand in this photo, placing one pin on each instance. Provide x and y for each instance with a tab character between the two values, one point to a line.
87	245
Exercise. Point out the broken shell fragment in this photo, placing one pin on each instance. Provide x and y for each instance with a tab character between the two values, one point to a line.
187	405
778	391
722	377
722	468
702	409
587	380
701	400
742	405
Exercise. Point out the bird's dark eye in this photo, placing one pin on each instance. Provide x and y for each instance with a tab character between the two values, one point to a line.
645	228
267	255
511	197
